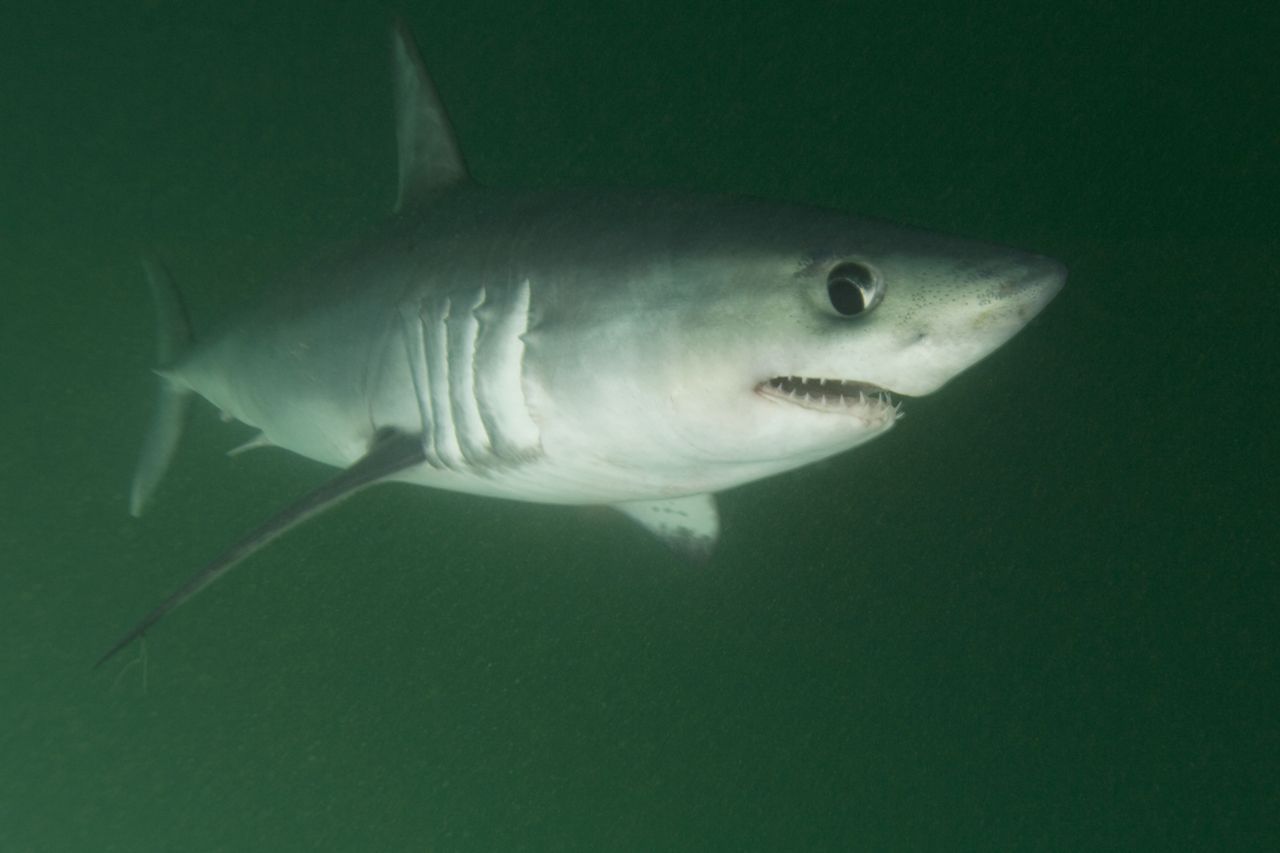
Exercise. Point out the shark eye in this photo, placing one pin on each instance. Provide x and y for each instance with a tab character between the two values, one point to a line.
853	289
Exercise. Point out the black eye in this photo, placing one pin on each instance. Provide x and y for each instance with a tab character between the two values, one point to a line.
852	289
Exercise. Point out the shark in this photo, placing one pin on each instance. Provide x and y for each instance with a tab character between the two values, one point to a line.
643	350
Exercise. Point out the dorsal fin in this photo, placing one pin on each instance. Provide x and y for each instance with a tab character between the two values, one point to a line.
430	160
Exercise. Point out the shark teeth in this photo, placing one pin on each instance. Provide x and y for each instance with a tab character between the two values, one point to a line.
832	395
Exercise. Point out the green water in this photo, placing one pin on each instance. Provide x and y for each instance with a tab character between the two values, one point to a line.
1037	616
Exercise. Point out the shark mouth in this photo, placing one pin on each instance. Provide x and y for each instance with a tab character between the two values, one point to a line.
838	396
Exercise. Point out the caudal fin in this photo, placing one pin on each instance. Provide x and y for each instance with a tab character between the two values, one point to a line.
173	337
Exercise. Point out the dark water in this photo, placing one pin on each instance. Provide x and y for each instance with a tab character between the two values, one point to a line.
1038	615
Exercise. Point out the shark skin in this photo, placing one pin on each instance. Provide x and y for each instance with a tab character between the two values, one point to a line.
637	349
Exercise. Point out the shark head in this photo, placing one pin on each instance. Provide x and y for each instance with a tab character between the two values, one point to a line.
845	329
767	336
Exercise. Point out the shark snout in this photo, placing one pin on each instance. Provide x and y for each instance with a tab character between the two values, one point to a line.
1031	284
939	340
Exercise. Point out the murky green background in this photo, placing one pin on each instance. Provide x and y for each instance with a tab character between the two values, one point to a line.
1038	615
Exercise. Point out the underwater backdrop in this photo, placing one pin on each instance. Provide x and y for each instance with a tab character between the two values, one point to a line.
1038	615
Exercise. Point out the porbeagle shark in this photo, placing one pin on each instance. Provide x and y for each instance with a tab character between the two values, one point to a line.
641	350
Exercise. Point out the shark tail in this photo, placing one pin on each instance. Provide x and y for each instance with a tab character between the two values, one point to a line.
173	339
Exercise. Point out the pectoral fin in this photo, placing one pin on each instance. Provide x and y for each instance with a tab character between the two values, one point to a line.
690	525
390	453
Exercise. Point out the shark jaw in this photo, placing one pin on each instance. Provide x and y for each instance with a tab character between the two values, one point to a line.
871	404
